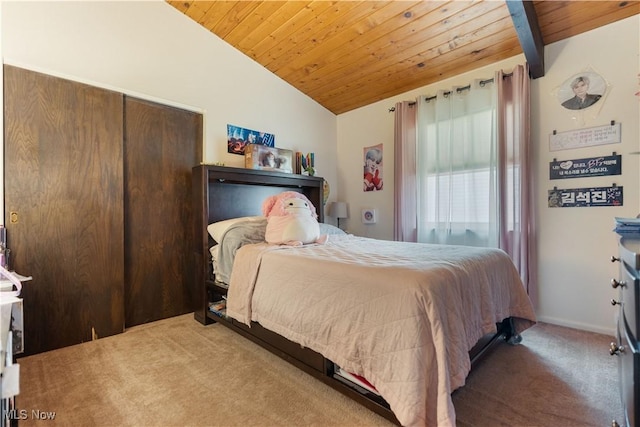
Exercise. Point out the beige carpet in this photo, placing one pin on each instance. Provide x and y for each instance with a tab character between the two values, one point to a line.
556	377
177	372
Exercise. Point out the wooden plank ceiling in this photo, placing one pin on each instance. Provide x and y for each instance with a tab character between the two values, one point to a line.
347	54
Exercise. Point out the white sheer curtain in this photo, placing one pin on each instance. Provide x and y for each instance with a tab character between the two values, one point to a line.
456	167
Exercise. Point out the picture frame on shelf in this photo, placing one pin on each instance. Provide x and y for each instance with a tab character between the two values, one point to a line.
261	157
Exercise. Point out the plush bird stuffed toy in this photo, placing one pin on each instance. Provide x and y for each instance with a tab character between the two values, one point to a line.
291	220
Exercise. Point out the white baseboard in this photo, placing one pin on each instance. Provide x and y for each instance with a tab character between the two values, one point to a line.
581	326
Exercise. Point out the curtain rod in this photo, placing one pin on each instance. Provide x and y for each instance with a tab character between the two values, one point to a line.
460	89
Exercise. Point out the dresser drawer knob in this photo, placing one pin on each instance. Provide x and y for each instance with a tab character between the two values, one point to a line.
614	302
615	283
615	349
614	259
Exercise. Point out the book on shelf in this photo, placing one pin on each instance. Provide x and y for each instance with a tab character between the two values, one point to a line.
304	163
219	308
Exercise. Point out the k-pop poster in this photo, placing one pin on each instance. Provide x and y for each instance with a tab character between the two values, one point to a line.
372	168
582	90
238	138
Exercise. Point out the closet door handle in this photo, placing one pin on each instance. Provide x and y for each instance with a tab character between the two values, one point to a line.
614	259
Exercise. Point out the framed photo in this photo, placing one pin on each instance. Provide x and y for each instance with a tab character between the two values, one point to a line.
582	91
257	156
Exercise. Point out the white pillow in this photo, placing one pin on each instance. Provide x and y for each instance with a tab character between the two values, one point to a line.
330	229
217	229
214	252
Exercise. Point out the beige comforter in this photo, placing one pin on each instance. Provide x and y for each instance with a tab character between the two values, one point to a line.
402	315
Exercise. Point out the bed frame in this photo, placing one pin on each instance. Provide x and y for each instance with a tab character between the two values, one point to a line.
221	193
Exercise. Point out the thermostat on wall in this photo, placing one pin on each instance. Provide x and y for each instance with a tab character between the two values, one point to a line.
369	216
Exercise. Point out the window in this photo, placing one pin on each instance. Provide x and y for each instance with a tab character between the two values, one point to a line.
456	169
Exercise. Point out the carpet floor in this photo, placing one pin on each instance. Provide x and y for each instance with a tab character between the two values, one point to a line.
176	372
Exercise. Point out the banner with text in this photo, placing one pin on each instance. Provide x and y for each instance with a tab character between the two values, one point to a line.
588	137
585	197
580	168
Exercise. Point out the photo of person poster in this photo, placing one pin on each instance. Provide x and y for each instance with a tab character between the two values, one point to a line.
581	91
373	168
238	138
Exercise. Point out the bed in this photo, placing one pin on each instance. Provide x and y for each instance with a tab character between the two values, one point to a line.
396	326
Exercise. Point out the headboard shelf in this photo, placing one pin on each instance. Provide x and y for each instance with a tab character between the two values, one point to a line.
260	177
243	190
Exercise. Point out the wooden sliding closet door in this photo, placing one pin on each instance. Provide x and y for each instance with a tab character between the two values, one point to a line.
64	206
162	144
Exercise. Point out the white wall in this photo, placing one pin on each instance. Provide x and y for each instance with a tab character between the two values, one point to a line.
574	244
151	50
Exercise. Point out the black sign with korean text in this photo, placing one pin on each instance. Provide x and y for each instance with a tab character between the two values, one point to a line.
580	168
585	197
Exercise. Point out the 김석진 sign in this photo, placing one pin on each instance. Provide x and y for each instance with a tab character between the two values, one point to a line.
585	197
579	168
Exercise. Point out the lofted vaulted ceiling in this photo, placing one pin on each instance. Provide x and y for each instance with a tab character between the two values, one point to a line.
347	54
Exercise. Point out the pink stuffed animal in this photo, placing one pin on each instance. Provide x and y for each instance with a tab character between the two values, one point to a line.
291	220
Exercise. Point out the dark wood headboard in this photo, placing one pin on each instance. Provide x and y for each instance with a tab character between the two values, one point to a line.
221	193
225	192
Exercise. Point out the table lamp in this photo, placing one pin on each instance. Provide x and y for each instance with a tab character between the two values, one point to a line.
339	210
